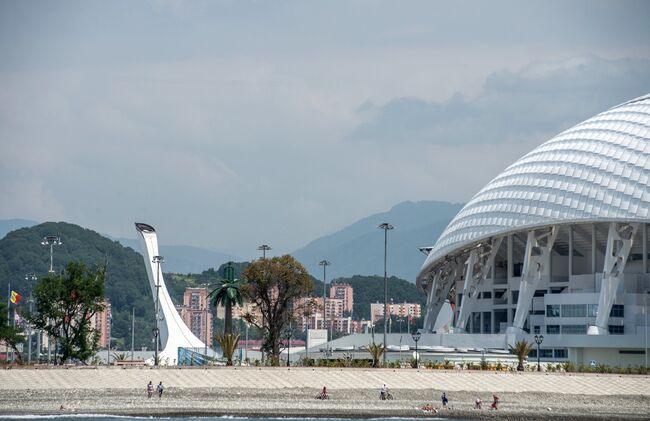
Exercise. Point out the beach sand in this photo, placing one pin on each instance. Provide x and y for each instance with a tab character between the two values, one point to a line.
275	392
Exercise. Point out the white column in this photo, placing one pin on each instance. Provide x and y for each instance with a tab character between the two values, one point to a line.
645	247
536	266
619	243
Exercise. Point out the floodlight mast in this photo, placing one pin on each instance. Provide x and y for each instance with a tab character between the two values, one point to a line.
325	264
385	226
51	240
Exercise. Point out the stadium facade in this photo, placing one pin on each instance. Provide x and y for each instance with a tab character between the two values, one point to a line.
557	245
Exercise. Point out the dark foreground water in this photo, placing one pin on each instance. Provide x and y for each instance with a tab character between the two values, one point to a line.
82	417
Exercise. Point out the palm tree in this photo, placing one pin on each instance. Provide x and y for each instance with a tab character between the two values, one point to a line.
521	350
376	351
228	344
227	294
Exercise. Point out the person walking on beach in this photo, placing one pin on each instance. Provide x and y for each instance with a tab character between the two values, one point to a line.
444	400
495	401
149	389
478	403
160	389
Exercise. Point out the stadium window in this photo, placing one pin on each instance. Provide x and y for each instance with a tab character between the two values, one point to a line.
553	310
552	329
487	322
560	353
545	353
539	293
574	329
592	310
618	310
536	329
616	330
515	297
631	351
574	310
487	294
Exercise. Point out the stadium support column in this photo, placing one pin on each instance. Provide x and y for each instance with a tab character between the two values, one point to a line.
479	266
644	227
619	243
439	284
570	251
538	254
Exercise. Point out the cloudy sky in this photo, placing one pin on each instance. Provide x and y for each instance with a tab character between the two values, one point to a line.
227	124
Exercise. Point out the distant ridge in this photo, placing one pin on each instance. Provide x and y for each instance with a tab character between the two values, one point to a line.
358	249
8	225
185	259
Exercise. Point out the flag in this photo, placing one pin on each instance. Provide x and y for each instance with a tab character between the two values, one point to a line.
15	297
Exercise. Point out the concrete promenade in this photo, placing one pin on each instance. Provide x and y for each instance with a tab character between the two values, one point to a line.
316	378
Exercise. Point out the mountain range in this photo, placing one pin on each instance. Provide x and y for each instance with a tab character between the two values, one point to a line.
357	249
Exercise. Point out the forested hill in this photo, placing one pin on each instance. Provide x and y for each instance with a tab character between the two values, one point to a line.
127	286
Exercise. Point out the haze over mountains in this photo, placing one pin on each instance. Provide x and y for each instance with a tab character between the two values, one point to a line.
357	249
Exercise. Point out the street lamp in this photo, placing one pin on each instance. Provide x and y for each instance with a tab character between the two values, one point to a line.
385	226
264	248
289	348
416	338
157	260
538	340
51	240
30	278
324	264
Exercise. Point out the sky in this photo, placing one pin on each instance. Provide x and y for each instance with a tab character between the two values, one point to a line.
228	124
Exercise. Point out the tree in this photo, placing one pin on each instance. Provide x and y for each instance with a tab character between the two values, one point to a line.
521	350
227	293
275	286
9	334
65	303
228	344
376	351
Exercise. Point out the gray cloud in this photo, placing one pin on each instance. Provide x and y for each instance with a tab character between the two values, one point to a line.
541	98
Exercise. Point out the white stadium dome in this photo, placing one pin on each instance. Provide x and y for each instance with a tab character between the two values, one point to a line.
598	170
555	244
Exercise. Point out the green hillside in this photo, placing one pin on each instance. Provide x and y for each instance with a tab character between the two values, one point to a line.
21	252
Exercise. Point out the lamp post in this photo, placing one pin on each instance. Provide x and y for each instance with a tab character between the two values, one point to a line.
538	340
51	240
385	226
324	264
30	278
157	260
416	338
289	348
264	248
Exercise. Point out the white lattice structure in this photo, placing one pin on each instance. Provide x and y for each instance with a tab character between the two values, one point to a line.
565	226
174	333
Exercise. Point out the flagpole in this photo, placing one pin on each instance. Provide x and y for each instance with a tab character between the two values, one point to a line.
8	323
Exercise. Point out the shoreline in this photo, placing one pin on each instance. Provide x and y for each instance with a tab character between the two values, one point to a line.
289	393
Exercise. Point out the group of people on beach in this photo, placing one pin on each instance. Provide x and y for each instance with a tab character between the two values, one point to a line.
159	389
445	403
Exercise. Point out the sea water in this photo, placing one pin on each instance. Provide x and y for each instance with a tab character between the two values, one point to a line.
86	417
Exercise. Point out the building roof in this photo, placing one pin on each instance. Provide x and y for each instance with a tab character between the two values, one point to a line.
598	170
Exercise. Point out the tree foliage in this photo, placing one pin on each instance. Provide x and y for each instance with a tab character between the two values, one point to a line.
274	285
521	350
228	344
376	351
9	334
65	303
227	294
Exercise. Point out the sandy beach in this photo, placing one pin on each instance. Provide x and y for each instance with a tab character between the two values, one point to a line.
271	392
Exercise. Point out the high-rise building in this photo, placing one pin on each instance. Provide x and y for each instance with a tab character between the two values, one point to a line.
343	292
196	313
101	322
404	310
